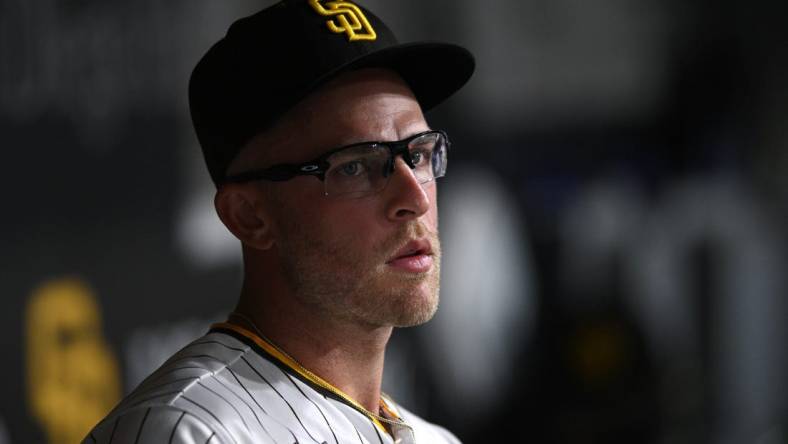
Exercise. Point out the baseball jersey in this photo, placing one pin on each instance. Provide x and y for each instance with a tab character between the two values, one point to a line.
231	386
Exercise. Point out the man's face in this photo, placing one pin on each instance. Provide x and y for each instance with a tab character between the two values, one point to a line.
353	259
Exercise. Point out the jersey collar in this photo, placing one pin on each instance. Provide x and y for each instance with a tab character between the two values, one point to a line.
388	410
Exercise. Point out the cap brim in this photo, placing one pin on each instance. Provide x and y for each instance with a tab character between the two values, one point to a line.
434	71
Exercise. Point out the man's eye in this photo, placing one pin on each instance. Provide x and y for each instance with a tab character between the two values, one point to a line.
351	168
418	157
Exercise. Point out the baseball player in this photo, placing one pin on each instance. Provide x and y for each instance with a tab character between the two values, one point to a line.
310	117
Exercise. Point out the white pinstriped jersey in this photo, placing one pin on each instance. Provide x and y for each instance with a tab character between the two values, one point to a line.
230	386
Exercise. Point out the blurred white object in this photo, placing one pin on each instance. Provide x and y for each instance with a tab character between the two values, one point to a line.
201	237
487	307
4	439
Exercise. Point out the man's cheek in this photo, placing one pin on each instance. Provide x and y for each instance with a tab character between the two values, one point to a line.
432	219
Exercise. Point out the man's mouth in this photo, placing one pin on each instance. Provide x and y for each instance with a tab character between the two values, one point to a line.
414	257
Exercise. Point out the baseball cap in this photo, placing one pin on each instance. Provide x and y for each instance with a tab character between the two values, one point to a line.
269	61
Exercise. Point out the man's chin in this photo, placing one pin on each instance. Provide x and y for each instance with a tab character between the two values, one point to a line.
414	308
414	319
399	304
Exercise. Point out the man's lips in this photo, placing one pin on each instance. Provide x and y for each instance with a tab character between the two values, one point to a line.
414	257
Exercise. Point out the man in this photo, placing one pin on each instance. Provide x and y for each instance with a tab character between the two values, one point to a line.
310	119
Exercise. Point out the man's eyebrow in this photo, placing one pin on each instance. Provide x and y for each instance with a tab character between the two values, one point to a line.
411	130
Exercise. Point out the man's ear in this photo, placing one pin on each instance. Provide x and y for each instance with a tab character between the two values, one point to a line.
241	208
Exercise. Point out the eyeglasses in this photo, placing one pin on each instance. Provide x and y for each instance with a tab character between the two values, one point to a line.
362	169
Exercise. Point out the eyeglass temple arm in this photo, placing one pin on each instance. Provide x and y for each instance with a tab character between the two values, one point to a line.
281	173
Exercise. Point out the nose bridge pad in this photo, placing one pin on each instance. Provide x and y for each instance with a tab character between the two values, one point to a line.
406	157
388	168
403	151
392	162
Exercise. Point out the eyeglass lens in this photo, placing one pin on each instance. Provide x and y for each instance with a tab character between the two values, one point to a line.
363	169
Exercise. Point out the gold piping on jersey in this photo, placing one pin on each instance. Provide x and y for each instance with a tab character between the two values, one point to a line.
350	18
290	362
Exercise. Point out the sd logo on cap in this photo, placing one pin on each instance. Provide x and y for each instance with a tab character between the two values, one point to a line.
350	17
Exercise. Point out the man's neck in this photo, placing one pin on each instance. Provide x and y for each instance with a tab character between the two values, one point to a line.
347	355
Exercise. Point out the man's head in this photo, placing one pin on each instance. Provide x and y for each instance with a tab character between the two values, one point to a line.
362	251
373	259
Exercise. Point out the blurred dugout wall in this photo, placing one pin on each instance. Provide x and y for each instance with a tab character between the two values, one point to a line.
612	225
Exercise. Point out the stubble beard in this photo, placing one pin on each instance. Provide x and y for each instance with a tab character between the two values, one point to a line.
360	287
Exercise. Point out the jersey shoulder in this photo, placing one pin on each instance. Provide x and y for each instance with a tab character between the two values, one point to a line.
191	398
156	423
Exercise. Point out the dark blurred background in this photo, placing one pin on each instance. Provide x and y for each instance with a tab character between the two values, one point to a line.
613	218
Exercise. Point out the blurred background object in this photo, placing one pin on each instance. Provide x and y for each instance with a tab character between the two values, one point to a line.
72	375
613	218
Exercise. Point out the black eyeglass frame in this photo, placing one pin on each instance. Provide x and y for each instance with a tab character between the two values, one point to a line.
319	166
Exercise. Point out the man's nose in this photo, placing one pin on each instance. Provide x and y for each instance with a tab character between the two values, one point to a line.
407	198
